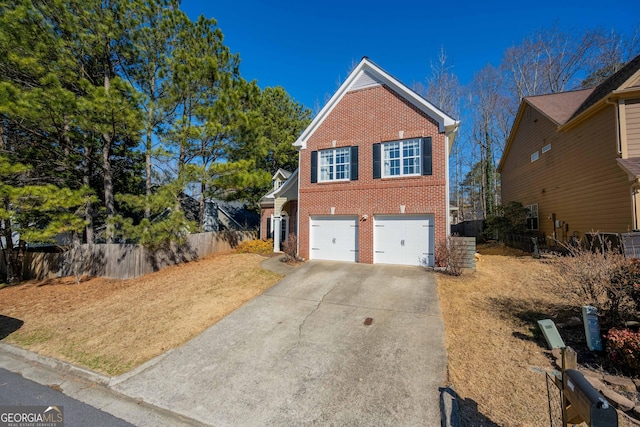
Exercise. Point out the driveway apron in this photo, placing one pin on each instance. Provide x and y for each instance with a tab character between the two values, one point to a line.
301	354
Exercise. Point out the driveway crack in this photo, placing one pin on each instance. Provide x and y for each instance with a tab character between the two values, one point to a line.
304	321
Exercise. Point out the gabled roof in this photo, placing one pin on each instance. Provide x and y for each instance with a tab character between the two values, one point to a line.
613	82
368	74
290	182
559	107
566	109
271	195
284	173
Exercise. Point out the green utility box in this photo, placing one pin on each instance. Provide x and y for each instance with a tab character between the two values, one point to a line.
551	334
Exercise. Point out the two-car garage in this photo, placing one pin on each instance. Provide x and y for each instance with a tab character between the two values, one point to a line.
397	239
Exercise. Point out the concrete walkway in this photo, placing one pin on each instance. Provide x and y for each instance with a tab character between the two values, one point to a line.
301	354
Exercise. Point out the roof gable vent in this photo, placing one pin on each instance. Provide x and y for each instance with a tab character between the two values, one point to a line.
364	80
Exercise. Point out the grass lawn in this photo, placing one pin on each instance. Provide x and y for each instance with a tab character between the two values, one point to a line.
112	326
497	358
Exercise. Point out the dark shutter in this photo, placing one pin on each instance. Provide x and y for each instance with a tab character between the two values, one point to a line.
427	158
314	166
354	163
377	170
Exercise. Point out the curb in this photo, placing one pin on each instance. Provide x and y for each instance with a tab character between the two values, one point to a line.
90	388
55	364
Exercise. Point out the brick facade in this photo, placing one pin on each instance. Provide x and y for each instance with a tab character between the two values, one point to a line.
362	118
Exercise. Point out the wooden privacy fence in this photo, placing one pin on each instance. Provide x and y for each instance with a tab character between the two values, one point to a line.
120	261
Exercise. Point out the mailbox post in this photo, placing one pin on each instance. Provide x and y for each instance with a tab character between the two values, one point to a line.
581	402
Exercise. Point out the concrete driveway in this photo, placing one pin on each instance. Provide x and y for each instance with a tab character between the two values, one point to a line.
300	354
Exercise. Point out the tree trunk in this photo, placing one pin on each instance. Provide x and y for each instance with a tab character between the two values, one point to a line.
488	175
203	187
148	151
109	201
9	255
86	181
147	208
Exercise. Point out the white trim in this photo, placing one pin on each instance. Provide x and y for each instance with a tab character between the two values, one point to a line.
334	152
535	156
372	70
384	160
293	178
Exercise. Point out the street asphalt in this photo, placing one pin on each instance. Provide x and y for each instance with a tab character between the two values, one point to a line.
331	344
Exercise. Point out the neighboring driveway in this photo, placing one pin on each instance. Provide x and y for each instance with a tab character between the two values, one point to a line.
300	354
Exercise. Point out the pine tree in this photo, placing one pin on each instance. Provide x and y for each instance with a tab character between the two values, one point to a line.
33	213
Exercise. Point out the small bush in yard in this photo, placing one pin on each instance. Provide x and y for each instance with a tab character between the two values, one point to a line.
451	254
290	248
623	349
262	247
628	276
595	278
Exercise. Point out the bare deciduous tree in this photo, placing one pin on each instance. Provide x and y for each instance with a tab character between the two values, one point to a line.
548	61
613	50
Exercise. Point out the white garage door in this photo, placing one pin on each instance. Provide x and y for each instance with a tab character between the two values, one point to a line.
403	239
334	238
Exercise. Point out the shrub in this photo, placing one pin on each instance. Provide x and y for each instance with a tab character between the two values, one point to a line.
290	248
451	255
623	349
262	247
627	276
594	278
508	219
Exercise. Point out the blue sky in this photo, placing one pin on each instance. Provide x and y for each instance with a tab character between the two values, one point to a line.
308	47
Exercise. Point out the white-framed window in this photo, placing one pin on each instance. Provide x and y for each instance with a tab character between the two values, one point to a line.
401	158
335	165
532	217
535	156
546	148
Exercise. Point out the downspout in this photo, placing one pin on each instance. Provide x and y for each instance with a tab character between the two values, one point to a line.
616	106
298	207
623	152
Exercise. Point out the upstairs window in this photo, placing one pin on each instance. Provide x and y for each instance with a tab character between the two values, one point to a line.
401	158
334	164
409	157
338	164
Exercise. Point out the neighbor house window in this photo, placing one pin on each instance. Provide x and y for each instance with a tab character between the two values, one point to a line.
546	148
532	217
401	158
335	164
535	156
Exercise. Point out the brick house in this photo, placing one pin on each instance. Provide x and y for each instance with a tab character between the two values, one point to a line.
278	208
373	173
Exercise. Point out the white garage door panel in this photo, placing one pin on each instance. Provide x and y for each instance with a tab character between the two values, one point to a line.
403	239
334	238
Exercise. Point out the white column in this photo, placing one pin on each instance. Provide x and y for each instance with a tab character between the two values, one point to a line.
277	229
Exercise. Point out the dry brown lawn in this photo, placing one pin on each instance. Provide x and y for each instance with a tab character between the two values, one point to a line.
495	363
497	358
111	326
